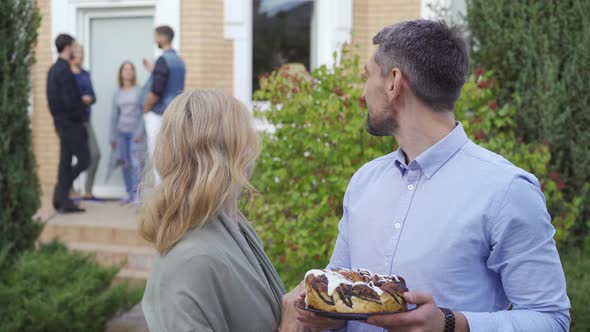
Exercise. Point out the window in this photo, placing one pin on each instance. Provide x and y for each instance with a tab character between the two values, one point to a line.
281	34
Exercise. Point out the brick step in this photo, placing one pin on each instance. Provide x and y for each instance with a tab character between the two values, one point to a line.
139	258
79	232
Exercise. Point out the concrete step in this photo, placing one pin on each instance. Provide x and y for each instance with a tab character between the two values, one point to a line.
139	258
81	232
130	321
135	277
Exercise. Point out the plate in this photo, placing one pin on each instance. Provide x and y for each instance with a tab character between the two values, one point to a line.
343	315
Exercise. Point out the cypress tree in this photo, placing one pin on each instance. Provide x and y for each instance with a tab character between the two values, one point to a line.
19	189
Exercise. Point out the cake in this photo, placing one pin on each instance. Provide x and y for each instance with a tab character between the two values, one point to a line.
354	291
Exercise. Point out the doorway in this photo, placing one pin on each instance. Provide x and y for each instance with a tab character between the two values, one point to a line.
112	37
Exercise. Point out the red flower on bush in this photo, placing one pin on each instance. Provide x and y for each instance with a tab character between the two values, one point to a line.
362	102
284	74
478	134
295	89
346	102
542	187
560	185
493	105
478	71
338	91
283	89
483	85
554	176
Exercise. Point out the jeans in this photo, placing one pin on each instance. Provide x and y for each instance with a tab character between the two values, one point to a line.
73	140
131	165
94	158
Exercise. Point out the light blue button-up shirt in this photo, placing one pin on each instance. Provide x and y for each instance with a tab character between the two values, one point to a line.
463	224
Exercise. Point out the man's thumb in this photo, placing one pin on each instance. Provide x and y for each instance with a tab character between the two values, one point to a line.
417	298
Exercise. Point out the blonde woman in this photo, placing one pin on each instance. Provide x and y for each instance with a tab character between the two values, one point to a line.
212	273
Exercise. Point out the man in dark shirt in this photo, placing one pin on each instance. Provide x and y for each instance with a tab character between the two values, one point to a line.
69	114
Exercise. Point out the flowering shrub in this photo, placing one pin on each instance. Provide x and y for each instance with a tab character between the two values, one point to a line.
320	140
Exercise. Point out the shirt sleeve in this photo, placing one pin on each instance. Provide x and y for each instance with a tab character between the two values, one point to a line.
524	255
341	255
91	88
160	77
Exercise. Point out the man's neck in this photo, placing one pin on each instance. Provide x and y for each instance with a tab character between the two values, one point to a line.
64	57
166	48
423	131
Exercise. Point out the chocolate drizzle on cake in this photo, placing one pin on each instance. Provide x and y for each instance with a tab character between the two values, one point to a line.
320	286
366	293
345	292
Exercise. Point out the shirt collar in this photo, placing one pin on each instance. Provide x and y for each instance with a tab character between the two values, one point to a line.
431	160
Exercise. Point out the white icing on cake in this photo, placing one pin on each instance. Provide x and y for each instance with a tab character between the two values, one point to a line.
336	279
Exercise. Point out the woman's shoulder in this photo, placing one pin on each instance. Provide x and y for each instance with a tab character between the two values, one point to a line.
204	246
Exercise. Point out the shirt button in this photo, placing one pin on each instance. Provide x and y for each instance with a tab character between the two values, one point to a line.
411	187
397	225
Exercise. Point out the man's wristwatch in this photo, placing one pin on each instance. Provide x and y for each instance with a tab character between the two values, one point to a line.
449	320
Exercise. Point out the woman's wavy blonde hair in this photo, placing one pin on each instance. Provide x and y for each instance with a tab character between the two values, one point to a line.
205	146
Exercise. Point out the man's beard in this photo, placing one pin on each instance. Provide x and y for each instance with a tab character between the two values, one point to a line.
159	45
385	126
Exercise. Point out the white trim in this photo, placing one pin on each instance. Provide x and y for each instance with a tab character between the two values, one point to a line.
331	28
66	15
237	16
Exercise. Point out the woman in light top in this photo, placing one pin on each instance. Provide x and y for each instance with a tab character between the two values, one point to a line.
127	128
212	273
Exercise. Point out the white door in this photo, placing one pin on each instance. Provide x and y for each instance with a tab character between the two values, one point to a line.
113	40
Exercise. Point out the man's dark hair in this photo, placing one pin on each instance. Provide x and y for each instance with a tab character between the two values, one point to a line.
432	56
62	41
166	31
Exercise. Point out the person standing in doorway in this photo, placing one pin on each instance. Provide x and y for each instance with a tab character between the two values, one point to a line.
69	114
88	98
127	128
168	75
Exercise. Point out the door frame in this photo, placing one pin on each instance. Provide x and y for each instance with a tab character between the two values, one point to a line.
67	16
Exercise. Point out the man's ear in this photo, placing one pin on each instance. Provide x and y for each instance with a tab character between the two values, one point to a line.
394	83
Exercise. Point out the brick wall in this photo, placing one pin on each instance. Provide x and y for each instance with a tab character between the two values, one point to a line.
45	142
208	56
370	16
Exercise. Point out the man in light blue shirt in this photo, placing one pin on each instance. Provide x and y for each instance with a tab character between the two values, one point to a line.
467	230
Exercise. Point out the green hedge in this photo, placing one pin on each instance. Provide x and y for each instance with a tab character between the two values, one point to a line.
539	52
53	290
